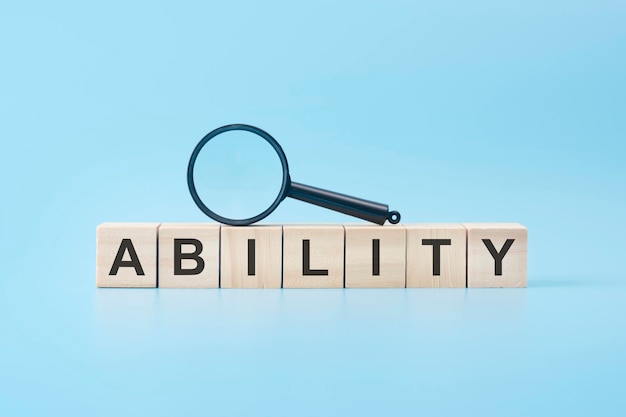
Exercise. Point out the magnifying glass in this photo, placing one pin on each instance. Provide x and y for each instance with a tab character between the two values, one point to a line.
226	153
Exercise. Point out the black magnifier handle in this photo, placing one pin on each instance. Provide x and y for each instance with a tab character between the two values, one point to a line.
352	206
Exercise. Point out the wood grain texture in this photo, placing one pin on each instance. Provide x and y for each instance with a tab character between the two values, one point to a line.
192	275
375	256
237	268
326	250
482	266
423	271
126	240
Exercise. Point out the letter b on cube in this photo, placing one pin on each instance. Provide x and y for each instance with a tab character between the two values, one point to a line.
189	255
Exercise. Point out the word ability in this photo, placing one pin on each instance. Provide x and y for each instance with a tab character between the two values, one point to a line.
185	255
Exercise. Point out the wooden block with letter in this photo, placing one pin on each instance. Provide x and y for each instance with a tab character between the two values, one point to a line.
251	257
189	255
436	256
126	255
496	254
313	256
375	256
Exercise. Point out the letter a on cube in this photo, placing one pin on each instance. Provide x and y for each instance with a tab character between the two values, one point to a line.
126	255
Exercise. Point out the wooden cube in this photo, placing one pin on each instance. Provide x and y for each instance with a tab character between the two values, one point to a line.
126	255
497	254
436	256
375	256
313	256
251	257
189	255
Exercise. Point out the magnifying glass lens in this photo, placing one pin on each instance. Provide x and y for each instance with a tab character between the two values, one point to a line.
238	175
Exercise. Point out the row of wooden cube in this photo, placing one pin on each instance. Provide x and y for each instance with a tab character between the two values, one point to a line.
182	255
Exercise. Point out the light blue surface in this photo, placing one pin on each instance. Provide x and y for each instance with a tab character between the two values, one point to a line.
448	111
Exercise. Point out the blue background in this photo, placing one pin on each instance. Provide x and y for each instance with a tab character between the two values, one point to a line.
448	111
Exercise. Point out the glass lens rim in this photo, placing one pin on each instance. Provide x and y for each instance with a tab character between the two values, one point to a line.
269	139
